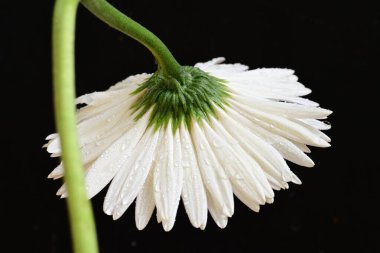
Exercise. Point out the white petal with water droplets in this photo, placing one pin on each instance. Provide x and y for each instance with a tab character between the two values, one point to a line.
282	126
216	66
317	124
281	108
136	174
145	202
168	177
272	162
193	192
217	214
213	175
243	172
113	159
289	150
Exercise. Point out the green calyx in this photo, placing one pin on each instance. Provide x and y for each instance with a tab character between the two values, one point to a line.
193	95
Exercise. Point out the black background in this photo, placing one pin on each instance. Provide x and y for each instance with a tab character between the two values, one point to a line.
334	49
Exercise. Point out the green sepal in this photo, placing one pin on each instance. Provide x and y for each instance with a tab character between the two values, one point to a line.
194	96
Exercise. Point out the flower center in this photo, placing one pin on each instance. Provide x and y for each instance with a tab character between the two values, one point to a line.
194	96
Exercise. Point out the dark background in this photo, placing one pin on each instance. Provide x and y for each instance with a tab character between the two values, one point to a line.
334	49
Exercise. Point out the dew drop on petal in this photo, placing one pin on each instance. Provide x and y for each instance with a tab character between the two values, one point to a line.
216	144
157	188
238	177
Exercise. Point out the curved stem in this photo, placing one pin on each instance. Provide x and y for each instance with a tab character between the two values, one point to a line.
81	217
110	15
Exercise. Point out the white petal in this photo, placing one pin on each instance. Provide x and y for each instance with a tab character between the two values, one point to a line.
247	199
168	178
113	159
317	124
213	174
134	177
289	150
282	126
214	61
110	102
272	162
296	100
62	190
302	147
216	213
281	108
258	83
215	67
131	81
54	146
193	192
313	130
285	147
296	180
51	136
57	172
242	170
110	121
145	202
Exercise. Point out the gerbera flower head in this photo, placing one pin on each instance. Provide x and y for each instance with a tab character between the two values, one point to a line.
222	130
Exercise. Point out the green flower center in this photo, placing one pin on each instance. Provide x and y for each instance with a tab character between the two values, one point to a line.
194	96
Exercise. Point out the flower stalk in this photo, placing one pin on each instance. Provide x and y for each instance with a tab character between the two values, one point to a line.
110	15
81	217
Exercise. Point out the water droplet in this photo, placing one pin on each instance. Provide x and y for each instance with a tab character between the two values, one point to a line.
238	177
216	144
157	188
123	147
187	146
256	119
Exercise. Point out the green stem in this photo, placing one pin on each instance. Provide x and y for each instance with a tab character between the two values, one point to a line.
110	15
81	217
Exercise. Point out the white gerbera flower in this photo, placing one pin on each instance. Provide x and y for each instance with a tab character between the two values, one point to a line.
215	135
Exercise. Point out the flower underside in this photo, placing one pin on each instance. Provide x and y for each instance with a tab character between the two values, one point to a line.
194	96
